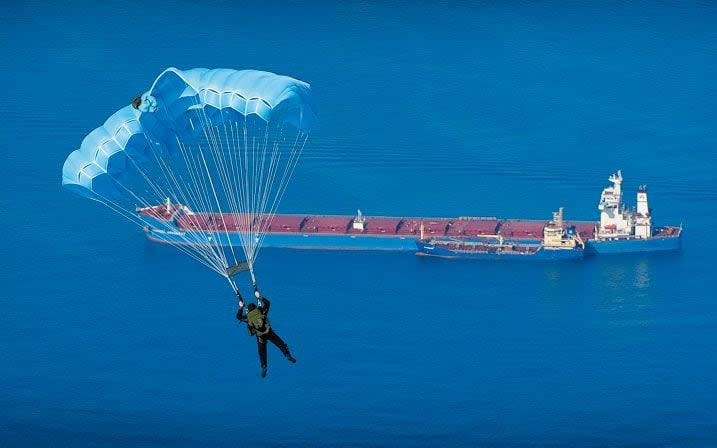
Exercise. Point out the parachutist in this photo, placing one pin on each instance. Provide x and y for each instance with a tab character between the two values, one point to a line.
257	320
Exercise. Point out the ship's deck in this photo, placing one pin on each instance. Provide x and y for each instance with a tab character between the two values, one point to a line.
667	231
461	227
478	248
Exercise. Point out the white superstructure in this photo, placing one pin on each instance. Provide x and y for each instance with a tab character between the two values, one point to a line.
359	222
556	237
616	221
643	218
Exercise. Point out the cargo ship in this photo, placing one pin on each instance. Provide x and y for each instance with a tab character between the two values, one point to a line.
619	230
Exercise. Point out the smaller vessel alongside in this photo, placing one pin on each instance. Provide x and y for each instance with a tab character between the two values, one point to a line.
558	243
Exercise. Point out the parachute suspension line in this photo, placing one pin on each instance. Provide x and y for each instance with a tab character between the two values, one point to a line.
132	218
294	157
226	177
242	183
255	212
251	194
246	241
282	188
200	243
271	176
200	194
288	171
264	186
233	185
202	200
240	177
220	251
244	179
202	197
180	194
241	171
209	261
204	246
232	283
213	148
237	176
267	187
153	185
237	180
265	158
229	174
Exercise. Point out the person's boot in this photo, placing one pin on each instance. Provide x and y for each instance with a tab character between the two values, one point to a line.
263	371
290	358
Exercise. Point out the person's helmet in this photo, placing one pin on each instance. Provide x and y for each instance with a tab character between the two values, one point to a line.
251	307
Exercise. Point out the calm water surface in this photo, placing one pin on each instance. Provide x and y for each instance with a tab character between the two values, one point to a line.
510	109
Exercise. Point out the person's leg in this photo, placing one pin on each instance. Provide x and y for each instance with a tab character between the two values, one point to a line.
276	340
261	345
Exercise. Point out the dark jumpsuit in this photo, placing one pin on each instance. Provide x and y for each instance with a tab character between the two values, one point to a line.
270	336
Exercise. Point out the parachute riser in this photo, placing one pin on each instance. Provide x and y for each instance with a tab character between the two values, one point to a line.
236	269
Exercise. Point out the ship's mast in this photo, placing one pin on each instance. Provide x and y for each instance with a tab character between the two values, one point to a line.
616	180
558	217
554	235
359	222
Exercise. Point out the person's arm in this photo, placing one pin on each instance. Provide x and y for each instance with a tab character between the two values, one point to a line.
265	304
241	315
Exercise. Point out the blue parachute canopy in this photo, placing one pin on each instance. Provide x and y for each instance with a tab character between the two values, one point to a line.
221	145
179	106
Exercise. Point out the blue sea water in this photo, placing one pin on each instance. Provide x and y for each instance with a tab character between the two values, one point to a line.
507	109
